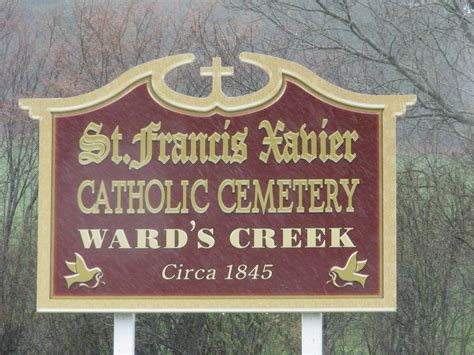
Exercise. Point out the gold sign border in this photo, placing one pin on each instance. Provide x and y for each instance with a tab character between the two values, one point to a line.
279	71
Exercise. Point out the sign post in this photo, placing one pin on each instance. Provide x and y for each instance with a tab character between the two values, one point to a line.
281	200
312	333
124	333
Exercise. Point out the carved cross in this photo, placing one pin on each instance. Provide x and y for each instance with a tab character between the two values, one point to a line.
217	71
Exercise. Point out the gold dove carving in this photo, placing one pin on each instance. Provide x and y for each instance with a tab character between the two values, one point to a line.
82	274
349	273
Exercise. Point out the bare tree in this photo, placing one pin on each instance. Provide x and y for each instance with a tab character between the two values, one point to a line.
21	73
382	47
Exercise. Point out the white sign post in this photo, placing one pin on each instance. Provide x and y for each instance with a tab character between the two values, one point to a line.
124	333
312	333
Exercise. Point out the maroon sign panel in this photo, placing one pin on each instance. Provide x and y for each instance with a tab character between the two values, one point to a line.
282	201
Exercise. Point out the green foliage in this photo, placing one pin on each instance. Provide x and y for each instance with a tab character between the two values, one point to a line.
435	280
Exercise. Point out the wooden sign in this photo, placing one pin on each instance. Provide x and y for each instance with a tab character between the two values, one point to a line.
279	200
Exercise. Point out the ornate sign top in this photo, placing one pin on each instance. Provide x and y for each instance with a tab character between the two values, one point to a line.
279	200
278	71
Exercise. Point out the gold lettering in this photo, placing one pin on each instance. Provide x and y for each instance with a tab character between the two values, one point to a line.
234	238
337	238
291	240
161	200
178	154
121	186
94	147
135	195
314	192
283	194
241	195
169	209
299	184
335	142
146	137
80	203
213	140
196	185
271	140
308	145
103	199
261	200
350	137
292	146
220	199
263	238
205	238
116	138
147	238
349	191
239	147
332	190
314	237
121	239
